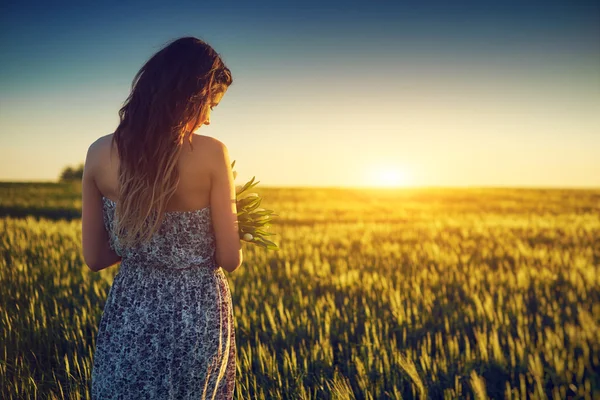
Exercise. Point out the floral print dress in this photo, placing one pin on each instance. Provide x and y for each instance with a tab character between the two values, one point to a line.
167	330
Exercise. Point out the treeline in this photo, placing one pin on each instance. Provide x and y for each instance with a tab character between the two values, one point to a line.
69	173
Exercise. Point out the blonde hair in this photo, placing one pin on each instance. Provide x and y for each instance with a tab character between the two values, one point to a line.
172	89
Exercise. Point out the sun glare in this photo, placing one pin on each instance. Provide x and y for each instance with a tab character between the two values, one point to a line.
389	177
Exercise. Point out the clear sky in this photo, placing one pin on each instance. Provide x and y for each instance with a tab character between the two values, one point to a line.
337	94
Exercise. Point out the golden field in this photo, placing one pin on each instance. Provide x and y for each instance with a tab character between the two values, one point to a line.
374	294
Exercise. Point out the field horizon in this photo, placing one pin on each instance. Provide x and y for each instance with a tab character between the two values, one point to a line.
371	187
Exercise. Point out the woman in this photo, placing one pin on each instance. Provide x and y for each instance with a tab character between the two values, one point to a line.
160	199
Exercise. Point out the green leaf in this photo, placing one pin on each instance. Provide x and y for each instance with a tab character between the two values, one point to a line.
260	244
264	233
254	184
244	202
251	205
258	217
244	219
262	212
259	223
248	229
247	184
269	242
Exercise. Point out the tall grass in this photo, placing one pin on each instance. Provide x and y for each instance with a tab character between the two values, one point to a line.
414	294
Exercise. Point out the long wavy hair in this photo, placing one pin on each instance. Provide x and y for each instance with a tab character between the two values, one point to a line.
172	90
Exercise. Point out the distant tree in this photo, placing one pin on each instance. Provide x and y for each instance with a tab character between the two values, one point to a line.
72	173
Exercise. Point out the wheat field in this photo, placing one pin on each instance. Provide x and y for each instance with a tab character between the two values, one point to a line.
374	294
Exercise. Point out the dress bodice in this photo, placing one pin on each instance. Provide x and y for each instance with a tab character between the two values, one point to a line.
184	239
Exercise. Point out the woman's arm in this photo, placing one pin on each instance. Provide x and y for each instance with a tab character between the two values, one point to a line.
97	253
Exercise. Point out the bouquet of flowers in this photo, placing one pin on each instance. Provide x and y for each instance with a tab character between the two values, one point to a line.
252	220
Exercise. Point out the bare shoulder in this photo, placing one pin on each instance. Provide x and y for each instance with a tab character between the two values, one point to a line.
99	149
102	141
207	142
210	148
100	146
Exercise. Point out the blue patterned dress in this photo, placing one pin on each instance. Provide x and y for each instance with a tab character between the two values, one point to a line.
167	330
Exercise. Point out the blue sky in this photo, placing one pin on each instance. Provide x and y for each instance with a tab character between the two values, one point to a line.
336	94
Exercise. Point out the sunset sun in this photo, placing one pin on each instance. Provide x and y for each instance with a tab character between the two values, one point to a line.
389	176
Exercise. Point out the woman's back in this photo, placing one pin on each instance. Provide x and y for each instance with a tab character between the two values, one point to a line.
205	183
195	167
